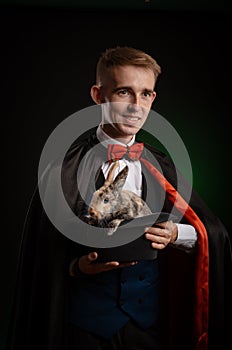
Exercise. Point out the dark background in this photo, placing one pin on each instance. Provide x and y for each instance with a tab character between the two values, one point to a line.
48	57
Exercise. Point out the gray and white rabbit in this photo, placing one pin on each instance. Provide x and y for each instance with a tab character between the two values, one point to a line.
110	204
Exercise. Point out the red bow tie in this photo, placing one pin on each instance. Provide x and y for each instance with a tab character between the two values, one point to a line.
116	152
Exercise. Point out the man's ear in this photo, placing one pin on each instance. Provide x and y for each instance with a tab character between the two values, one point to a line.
154	96
96	94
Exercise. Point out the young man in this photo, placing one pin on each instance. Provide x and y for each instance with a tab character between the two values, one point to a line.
67	299
129	88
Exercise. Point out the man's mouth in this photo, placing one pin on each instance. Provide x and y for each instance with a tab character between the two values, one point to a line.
132	119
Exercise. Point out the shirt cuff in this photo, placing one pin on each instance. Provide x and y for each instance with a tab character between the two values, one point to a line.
187	236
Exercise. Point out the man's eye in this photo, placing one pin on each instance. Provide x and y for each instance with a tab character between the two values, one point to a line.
123	92
147	94
106	200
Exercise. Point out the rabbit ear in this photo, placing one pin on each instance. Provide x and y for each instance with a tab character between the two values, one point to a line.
120	179
110	175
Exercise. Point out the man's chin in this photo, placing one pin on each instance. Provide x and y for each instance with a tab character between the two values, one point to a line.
130	129
121	129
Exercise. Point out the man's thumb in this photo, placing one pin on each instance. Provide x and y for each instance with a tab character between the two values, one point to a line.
92	256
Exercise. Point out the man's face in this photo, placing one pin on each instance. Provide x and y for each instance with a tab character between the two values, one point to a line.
128	94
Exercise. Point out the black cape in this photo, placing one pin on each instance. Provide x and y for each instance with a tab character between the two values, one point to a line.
38	312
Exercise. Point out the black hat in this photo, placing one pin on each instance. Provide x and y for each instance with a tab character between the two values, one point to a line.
138	249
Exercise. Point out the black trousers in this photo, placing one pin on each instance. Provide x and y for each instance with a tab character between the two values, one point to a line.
129	337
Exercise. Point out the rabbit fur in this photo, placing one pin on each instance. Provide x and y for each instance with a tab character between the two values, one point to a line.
110	204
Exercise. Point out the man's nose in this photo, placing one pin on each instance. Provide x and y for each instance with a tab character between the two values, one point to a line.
135	104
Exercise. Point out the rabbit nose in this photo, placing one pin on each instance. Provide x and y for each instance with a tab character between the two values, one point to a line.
93	212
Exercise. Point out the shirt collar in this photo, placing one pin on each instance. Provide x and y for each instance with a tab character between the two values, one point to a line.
106	139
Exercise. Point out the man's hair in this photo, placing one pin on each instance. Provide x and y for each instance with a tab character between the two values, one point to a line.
125	56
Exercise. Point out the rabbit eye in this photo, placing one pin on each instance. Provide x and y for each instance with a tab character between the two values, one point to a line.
106	200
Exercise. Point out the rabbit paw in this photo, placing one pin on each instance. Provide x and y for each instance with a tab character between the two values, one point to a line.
110	231
113	225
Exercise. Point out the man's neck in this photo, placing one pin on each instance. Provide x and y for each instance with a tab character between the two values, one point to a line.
125	139
106	139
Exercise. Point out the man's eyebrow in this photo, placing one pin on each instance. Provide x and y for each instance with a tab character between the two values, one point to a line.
122	88
148	90
130	88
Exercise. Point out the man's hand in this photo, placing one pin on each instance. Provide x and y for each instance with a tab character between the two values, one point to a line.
162	234
87	264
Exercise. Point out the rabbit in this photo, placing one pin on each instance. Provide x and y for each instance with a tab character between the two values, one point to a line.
110	204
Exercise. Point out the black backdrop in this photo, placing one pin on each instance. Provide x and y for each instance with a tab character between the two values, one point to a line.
48	59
